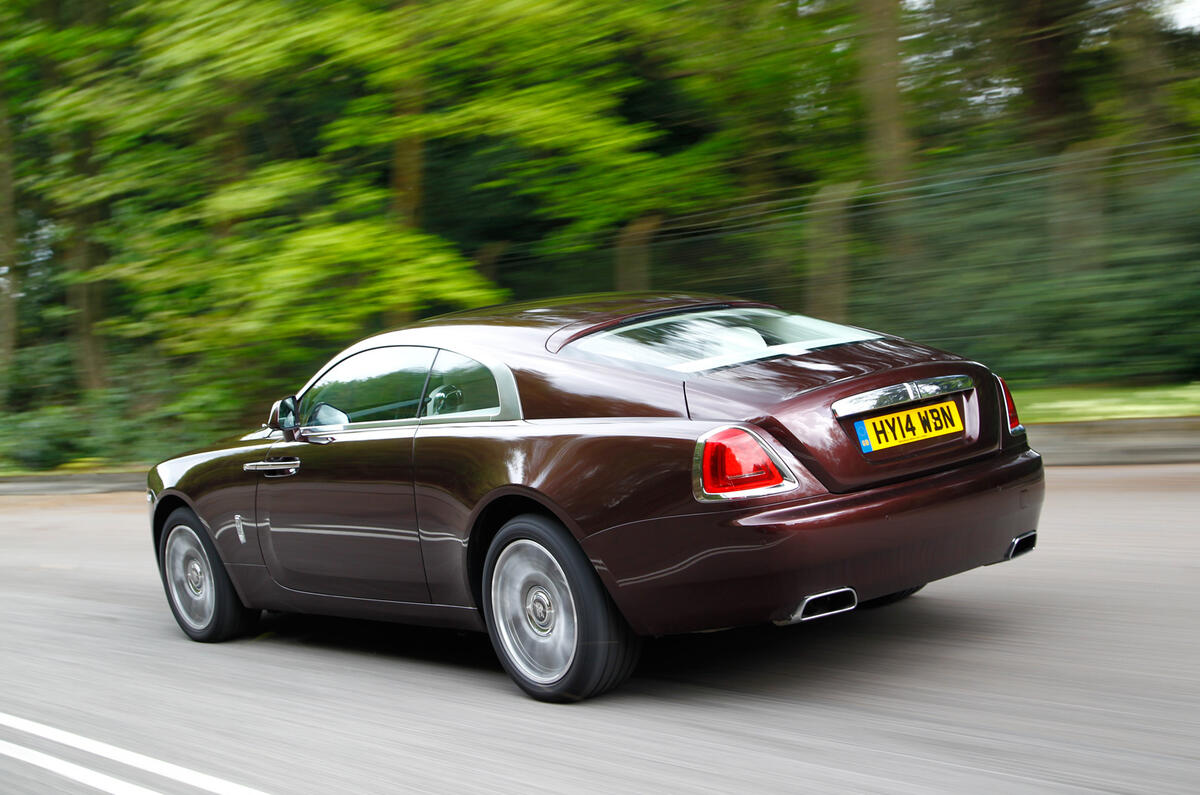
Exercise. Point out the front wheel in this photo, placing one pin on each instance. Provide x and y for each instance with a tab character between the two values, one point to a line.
199	591
553	626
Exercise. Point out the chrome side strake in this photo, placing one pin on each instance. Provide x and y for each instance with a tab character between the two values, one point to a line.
899	394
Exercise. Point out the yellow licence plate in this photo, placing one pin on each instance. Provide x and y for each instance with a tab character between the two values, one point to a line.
912	425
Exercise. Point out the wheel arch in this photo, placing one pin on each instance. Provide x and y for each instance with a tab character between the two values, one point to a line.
494	514
166	505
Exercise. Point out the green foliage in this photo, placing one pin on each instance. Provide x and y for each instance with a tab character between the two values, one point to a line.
44	438
210	197
999	279
41	375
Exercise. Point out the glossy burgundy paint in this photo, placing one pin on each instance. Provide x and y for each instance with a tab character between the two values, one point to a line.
745	566
394	524
792	398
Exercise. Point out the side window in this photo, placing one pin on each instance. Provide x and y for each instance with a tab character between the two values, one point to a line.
458	385
379	384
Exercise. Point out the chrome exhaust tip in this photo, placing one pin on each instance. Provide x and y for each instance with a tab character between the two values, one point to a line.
1021	544
827	603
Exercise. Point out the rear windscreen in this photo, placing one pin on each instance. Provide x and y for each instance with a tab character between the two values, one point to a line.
695	341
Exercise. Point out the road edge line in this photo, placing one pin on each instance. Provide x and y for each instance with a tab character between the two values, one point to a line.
193	778
84	775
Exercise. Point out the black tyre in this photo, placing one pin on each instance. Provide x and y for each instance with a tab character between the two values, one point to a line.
198	588
880	601
552	624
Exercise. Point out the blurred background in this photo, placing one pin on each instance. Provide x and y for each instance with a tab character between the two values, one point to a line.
201	201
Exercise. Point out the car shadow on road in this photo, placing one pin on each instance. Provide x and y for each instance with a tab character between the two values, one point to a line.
868	643
402	641
767	660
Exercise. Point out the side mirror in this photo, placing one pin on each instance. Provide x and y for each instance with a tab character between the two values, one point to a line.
283	415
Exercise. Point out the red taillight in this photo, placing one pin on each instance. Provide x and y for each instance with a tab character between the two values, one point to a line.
1014	422
734	460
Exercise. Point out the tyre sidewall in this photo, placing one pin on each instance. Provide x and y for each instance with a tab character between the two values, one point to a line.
229	615
592	608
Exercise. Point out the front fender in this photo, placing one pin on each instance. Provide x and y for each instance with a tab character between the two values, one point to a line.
212	483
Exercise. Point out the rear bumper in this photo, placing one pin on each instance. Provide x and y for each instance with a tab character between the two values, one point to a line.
731	568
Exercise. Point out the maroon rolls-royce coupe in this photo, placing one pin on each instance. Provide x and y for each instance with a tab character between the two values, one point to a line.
572	475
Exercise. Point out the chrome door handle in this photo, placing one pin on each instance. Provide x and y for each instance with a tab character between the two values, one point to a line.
281	467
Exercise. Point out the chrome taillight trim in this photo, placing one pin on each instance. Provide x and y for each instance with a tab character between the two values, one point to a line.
788	484
899	394
1005	396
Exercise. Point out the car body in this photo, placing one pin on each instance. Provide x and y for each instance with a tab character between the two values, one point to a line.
679	463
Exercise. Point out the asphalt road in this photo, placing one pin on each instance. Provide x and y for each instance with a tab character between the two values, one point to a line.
1075	668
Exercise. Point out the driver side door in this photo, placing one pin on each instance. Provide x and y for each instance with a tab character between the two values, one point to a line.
340	517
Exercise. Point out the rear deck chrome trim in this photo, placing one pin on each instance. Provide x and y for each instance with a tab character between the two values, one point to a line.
899	394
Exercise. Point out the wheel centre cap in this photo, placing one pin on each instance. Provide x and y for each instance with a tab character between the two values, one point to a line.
195	576
539	610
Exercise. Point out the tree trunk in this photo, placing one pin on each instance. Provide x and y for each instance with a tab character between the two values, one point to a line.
9	278
83	294
488	257
1144	69
408	159
1077	196
226	144
1048	33
827	288
84	299
889	148
632	271
889	153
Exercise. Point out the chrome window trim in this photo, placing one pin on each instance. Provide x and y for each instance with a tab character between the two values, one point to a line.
506	388
465	416
899	394
350	352
357	427
789	480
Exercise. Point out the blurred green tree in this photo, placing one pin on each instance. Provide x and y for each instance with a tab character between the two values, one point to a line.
200	200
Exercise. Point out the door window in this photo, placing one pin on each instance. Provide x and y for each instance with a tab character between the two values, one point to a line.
378	384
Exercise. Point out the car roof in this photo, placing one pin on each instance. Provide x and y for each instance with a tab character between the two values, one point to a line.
544	326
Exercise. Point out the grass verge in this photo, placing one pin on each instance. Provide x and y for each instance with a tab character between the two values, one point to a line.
1079	403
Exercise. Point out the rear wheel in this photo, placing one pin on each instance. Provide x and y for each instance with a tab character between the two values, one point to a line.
199	591
880	601
553	626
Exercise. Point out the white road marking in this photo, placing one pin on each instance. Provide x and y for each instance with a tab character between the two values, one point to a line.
192	778
73	771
